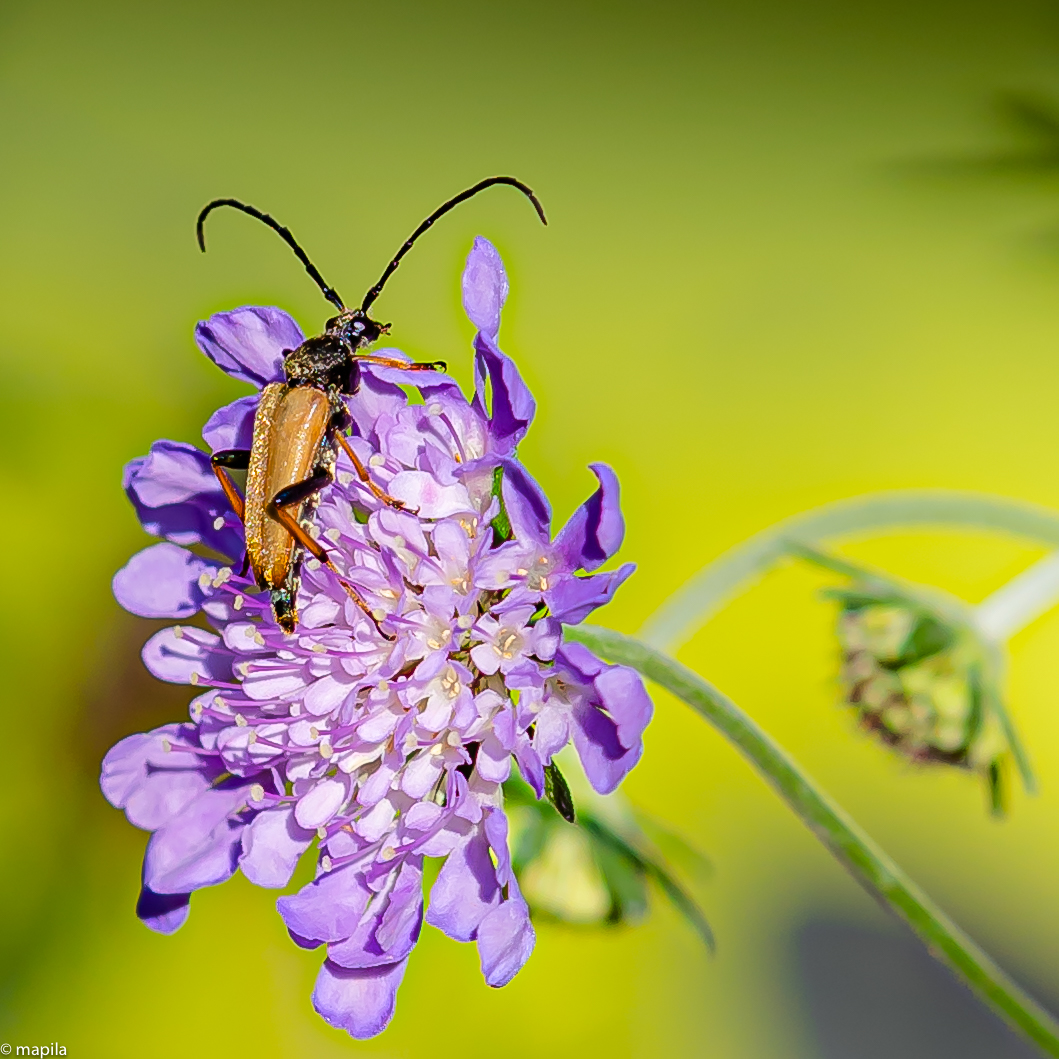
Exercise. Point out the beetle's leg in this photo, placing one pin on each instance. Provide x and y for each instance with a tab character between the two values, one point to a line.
295	494
362	474
236	460
404	365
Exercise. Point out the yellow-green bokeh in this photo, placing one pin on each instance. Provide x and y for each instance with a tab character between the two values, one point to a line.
769	281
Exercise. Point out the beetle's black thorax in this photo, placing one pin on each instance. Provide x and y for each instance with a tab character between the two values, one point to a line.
328	361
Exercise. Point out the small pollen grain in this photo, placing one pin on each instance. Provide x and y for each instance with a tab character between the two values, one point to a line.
314	732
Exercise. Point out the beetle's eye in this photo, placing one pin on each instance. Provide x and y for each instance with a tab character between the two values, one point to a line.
358	327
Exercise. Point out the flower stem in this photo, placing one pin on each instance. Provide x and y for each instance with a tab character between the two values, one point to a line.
872	868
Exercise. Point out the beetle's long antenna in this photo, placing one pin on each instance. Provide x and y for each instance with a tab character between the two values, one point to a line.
463	196
284	233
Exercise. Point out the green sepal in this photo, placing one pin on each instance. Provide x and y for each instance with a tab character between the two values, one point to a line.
501	524
558	793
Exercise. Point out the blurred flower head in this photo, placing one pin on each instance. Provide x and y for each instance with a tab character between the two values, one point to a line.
380	738
918	680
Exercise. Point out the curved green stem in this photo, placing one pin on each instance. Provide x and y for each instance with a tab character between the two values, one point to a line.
708	590
872	868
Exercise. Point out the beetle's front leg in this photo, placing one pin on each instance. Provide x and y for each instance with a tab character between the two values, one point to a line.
294	495
404	365
222	462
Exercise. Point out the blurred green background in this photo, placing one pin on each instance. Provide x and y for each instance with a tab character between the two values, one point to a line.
797	251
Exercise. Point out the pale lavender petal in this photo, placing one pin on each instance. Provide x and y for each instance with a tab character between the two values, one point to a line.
484	286
249	343
186	655
272	846
464	891
161	582
329	908
360	1001
198	848
505	941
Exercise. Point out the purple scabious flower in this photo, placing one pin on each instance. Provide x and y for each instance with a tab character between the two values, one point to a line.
382	739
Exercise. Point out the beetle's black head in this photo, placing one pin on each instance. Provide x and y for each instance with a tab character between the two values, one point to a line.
356	329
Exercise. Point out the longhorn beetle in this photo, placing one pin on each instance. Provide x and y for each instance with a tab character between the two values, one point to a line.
299	423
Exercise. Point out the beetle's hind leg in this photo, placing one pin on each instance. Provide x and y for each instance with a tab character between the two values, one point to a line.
362	473
295	494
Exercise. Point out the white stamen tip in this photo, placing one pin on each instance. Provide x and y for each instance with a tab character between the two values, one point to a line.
240	720
378	614
434	409
218	522
251	739
375	460
313	564
333	534
321	832
437	749
314	732
325	750
166	745
465	621
178	632
388	853
237	603
325	861
193	679
257	792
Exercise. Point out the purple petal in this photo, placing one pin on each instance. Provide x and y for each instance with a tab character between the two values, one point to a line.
272	845
161	582
527	507
512	407
177	496
574	598
249	343
329	908
595	530
609	720
163	913
360	1001
200	847
232	427
465	890
505	941
484	287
